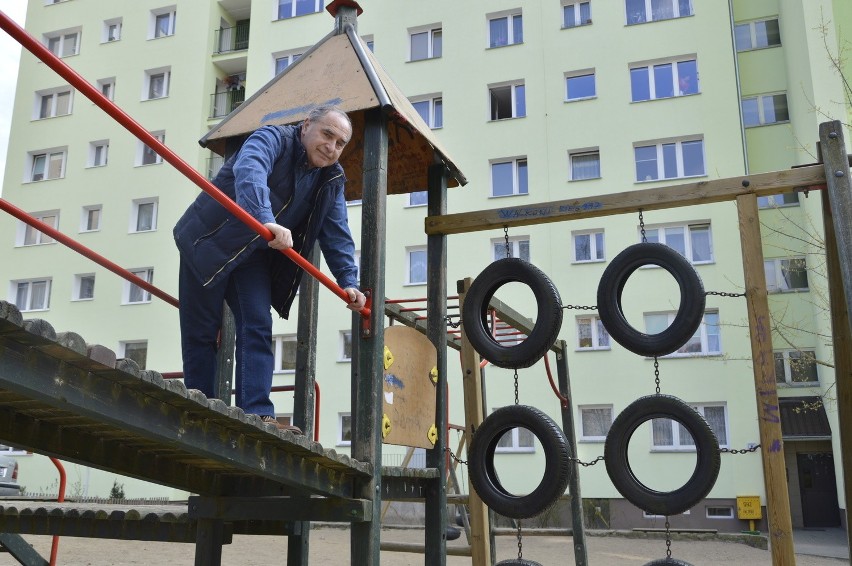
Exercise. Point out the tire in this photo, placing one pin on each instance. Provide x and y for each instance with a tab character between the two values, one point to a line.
453	533
517	562
668	562
689	313
475	314
625	481
483	475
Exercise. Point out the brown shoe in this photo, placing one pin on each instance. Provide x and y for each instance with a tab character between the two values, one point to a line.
281	426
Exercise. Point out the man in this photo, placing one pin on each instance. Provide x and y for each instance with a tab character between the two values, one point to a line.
288	178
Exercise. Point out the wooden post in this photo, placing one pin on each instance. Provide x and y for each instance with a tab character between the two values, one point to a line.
837	220
768	413
436	307
225	356
480	528
367	439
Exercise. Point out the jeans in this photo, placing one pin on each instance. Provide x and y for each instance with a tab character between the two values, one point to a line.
247	290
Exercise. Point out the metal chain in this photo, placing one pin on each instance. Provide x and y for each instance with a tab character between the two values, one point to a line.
657	374
517	402
668	540
642	226
724	294
520	543
740	451
454	457
587	464
580	307
450	323
506	236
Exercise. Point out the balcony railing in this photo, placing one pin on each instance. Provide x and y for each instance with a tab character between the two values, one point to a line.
224	103
232	39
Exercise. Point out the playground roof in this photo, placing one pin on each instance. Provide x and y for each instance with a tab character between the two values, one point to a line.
341	70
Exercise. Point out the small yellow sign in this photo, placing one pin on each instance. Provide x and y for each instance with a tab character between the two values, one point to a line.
748	507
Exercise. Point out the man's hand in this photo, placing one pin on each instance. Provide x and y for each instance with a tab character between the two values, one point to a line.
282	238
356	299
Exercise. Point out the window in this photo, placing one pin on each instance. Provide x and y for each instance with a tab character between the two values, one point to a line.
136	351
431	109
293	8
576	14
135	294
107	87
425	43
671	435
344	353
419	198
757	35
765	109
143	215
344	429
84	287
585	164
516	440
595	421
724	512
786	274
53	103
284	348
505	29
285	59
416	266
795	366
591	334
112	30
47	165
148	156
692	241
508	101
29	236
669	160
98	153
518	247
588	246
641	11
157	83
705	341
778	201
663	80
580	85
31	294
509	178
90	219
63	43
162	22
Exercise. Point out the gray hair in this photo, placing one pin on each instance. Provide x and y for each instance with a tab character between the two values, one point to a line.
325	109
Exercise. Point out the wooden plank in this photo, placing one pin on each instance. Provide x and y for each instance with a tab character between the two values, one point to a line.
702	192
766	392
302	509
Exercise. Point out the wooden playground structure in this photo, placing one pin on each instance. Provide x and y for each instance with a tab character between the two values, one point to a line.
62	397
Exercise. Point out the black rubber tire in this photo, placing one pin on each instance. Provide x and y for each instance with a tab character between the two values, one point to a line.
668	562
475	314
483	475
689	314
625	481
517	562
453	533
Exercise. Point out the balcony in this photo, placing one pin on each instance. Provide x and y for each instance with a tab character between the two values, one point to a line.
223	103
232	39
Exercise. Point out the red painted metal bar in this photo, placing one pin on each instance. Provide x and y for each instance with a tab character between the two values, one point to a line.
32	45
83	250
54	547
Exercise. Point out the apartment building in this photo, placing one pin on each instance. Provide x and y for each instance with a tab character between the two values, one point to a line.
535	101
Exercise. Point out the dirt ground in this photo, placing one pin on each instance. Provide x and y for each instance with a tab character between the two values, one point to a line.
330	546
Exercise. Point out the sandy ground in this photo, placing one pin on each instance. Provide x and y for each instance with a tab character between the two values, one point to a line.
331	546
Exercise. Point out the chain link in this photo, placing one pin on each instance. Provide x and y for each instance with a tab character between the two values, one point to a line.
506	237
587	464
517	401
642	227
740	451
580	307
657	374
450	323
520	543
724	294
454	457
668	540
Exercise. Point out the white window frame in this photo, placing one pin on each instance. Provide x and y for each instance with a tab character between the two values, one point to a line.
154	29
675	71
514	104
318	6
432	101
592	151
341	427
729	512
778	201
660	161
123	353
601	340
677	446
61	38
344	336
111	30
48	155
278	341
498	248
595	248
432	31
509	16
417	199
515	446
290	56
689	231
409	251
752	28
27	305
136	208
701	333
649	10
577	8
107	87
144	273
517	189
787	378
160	73
146	153
761	109
774	268
578	75
27	235
78	287
592	437
85	215
98	153
53	94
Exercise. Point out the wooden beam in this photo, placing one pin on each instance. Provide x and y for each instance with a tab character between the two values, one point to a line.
768	414
703	192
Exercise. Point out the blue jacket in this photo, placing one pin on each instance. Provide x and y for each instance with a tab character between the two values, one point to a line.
262	178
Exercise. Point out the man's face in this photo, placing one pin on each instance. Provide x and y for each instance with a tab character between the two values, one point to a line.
325	138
